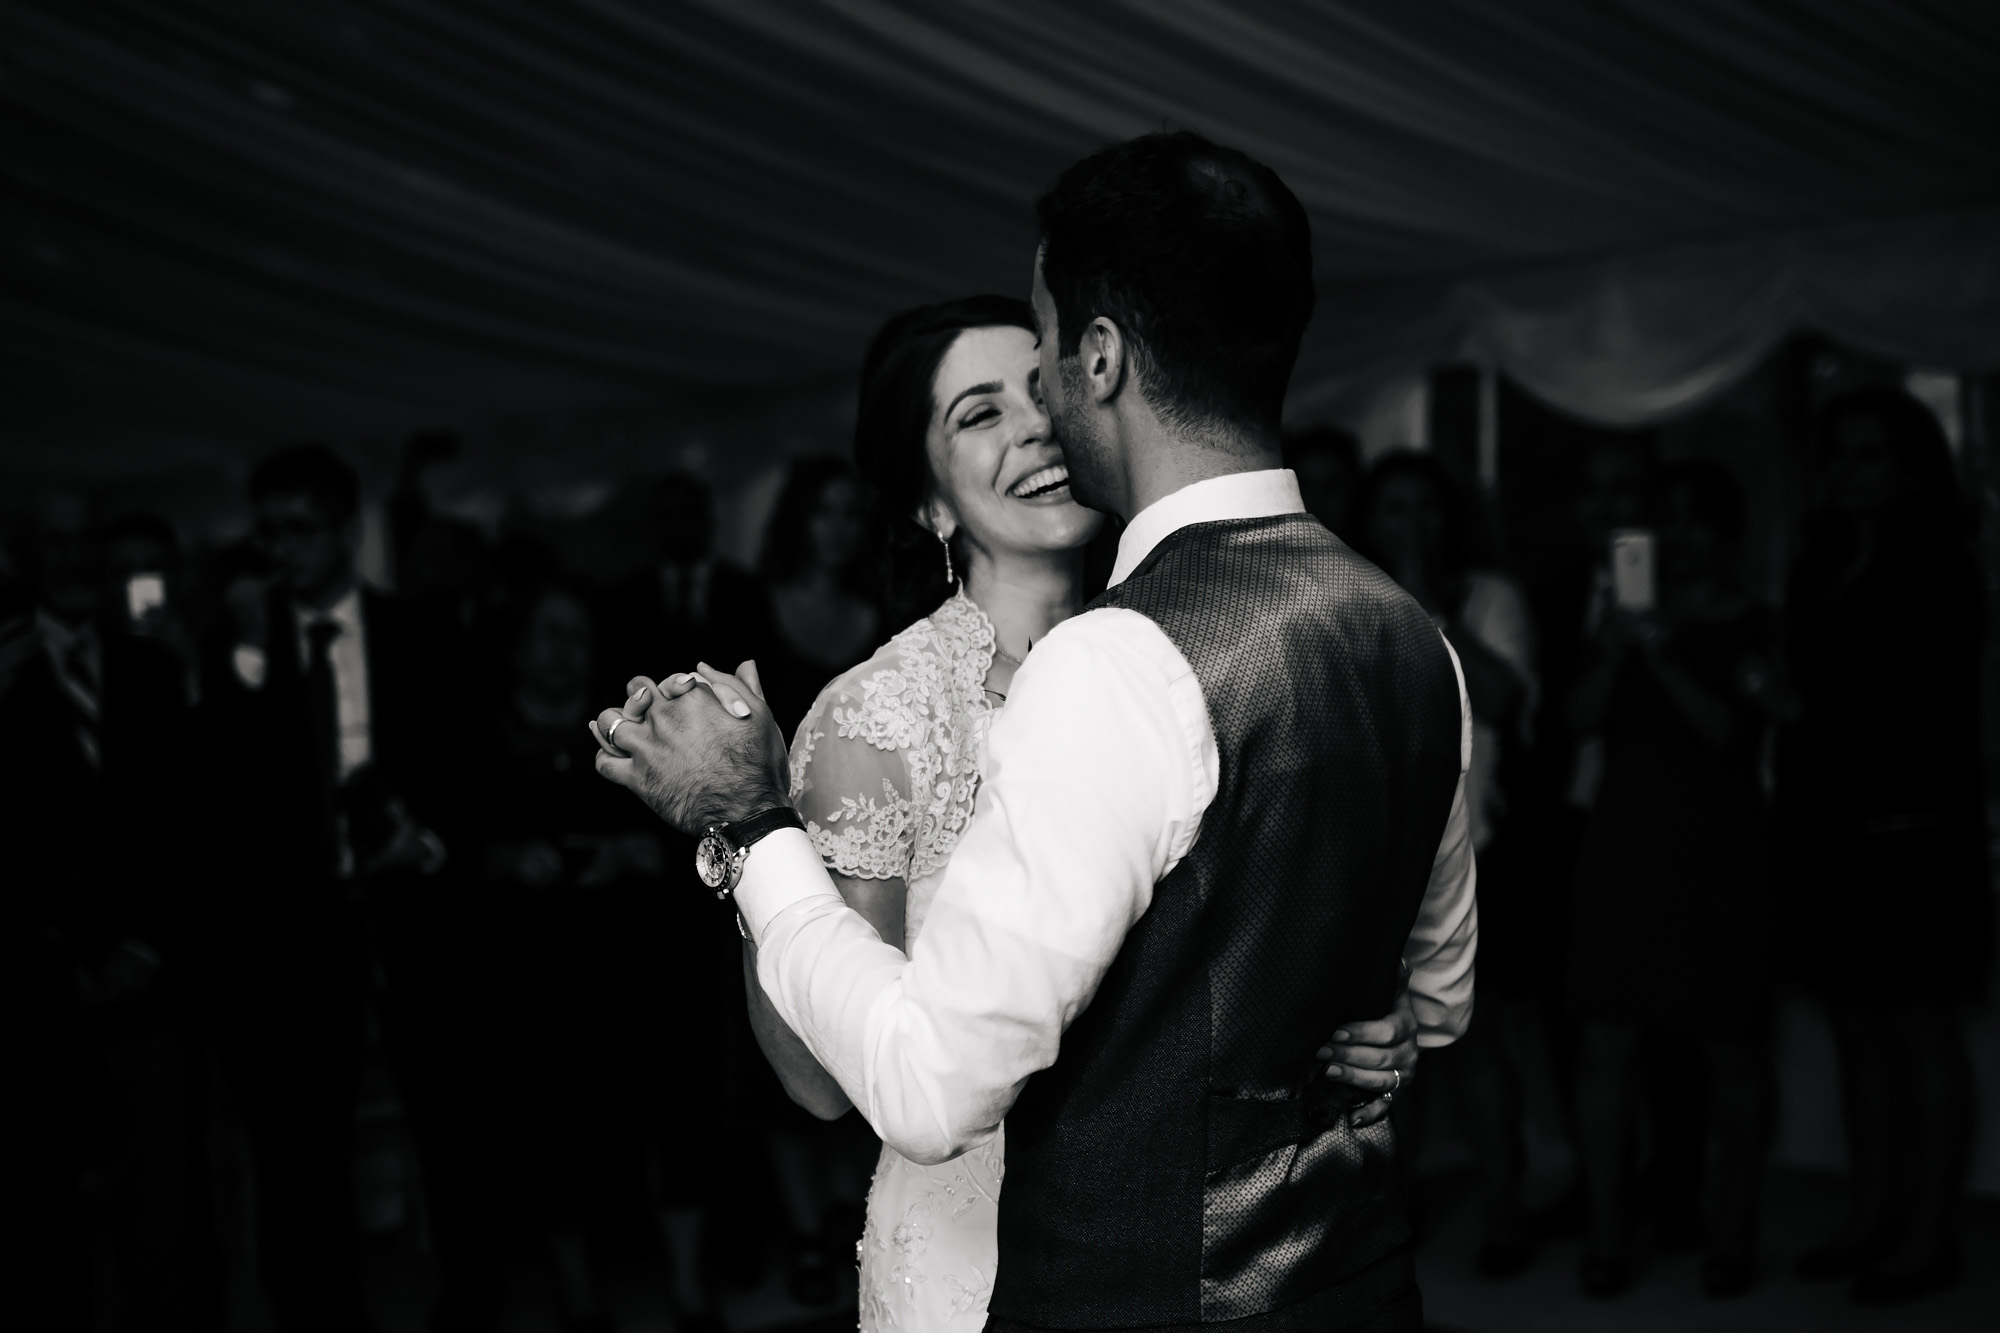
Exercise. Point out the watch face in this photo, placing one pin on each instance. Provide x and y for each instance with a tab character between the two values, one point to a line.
711	860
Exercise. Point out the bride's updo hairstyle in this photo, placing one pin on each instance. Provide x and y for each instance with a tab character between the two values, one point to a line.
891	425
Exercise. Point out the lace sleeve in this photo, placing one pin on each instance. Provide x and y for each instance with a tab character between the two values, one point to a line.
851	776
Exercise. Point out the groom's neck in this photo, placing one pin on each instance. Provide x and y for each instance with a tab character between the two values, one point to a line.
1172	461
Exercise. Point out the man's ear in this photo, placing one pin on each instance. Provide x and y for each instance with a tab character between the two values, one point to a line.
1103	351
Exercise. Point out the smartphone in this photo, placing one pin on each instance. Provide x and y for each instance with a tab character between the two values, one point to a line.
145	593
1632	584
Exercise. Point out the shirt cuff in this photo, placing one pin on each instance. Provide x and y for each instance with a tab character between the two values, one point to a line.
783	868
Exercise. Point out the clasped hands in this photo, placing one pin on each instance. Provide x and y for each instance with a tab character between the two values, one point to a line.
699	748
702	748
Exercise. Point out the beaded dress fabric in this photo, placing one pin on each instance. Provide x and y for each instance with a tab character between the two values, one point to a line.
885	768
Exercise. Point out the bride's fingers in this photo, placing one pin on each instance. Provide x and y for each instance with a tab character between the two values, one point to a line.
729	690
640	692
604	728
674	686
1367	1057
746	672
1366	1114
1368	1080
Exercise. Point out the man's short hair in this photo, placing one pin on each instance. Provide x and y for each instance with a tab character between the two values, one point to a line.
1201	256
314	471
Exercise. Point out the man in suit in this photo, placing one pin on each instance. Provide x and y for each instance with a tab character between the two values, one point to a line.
341	897
94	718
1223	804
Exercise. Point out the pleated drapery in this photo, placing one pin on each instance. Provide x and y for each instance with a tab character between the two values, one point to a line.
227	223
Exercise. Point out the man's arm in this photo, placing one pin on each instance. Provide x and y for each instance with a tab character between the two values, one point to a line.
1093	777
1088	799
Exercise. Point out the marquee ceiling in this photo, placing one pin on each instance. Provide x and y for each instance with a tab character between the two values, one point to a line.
241	222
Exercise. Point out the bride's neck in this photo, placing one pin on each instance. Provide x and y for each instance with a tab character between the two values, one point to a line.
1025	596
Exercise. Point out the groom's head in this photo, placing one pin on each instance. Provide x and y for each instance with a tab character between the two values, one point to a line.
1173	284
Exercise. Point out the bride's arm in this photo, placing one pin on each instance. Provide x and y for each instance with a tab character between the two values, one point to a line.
850	778
881	902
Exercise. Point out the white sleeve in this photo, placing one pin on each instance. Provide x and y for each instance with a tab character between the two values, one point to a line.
1443	942
1097	773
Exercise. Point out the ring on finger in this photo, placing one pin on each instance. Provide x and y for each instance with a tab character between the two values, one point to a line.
612	730
1399	1082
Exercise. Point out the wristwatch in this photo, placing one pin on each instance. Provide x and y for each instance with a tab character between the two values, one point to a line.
719	856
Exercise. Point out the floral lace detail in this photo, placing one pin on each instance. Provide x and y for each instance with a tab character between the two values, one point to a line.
922	695
928	1248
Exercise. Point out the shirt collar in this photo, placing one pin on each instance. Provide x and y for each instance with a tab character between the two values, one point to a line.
1262	494
345	613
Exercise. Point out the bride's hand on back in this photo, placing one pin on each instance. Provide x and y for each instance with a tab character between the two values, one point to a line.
1376	1057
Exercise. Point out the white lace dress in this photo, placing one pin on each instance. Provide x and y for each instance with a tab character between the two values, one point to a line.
884	770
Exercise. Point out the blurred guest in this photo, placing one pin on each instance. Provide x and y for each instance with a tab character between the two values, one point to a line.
330	721
94	735
1880	791
1552	783
1672	917
1411	521
689	605
610	990
1327	462
816	565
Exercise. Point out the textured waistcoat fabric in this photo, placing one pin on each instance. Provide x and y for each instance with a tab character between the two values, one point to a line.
1184	1162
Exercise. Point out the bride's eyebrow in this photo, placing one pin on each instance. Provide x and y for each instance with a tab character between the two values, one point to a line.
991	386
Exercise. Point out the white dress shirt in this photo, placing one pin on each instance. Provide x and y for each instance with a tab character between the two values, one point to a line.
347	654
1098	773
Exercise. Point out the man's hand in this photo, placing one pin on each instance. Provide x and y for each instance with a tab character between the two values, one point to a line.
1376	1057
699	749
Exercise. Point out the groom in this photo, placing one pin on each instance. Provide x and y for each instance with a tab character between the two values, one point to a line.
1222	804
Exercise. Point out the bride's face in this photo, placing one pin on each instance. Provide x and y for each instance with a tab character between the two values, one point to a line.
998	474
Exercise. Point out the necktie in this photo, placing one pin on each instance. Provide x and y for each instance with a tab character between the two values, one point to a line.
323	721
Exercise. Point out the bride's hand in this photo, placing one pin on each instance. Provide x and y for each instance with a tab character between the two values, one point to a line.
1377	1057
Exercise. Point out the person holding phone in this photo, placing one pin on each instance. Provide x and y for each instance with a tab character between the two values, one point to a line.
1671	917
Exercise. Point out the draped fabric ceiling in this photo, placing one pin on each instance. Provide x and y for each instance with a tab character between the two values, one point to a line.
241	222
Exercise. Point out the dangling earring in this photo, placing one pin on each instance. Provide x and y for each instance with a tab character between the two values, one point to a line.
949	576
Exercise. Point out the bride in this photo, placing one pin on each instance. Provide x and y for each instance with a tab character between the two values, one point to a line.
885	767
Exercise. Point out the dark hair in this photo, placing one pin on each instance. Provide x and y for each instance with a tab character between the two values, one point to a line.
314	471
1331	441
1201	256
1933	507
1714	494
891	424
788	536
1427	467
144	527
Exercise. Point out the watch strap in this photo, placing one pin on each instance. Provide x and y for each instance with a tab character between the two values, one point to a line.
745	833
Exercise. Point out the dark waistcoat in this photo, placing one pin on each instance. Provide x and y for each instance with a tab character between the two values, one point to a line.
1184	1162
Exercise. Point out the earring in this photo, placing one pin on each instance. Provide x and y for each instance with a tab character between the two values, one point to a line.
949	576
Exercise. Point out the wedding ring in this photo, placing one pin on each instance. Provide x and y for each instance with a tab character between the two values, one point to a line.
1399	1082
612	730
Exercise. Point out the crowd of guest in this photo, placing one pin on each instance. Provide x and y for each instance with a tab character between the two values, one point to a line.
269	822
1684	800
266	819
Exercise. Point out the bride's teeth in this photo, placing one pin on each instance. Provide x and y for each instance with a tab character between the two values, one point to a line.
1046	479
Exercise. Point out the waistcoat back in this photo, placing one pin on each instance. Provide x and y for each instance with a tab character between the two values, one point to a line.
1183	1162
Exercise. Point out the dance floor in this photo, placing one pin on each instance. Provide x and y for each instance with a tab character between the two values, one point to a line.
1543	1300
1798	1206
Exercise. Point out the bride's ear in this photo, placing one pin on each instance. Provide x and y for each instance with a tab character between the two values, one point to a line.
934	515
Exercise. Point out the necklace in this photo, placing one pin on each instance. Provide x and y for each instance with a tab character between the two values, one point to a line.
1008	657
